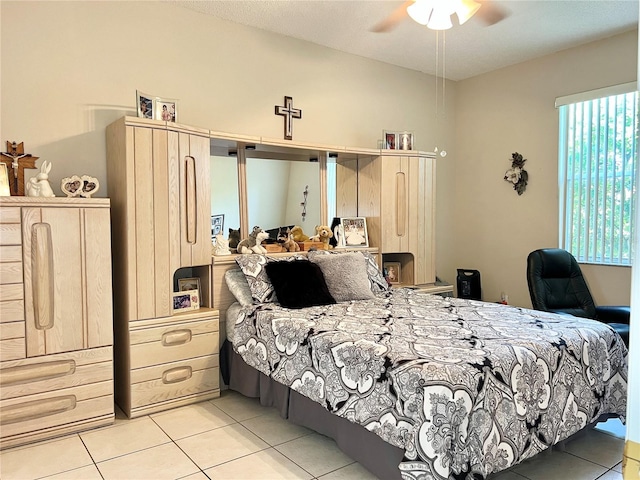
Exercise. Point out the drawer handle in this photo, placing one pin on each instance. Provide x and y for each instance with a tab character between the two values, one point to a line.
37	409
42	277
176	375
177	337
36	373
192	208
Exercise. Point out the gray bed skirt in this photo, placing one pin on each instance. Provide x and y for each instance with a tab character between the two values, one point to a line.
377	456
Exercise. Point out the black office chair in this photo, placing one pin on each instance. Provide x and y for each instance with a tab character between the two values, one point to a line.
556	284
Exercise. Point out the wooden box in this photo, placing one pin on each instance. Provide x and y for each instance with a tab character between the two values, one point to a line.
306	246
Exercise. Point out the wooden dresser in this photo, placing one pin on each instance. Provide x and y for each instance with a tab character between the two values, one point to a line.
56	325
159	185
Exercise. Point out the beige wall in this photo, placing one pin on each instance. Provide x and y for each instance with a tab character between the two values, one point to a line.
78	67
511	110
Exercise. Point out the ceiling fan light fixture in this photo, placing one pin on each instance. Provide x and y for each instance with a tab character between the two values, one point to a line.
440	20
466	9
420	11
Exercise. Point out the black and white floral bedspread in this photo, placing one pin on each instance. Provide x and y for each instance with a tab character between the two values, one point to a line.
466	388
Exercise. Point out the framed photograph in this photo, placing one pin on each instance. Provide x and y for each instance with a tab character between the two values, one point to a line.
392	272
145	104
217	225
353	232
166	109
188	284
186	301
390	140
5	190
405	141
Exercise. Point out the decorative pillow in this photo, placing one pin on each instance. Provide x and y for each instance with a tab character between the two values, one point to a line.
377	282
346	275
298	284
238	286
252	265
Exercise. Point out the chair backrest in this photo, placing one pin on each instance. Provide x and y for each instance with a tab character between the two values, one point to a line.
556	283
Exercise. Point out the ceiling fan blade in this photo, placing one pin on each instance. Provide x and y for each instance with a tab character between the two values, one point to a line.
490	13
392	21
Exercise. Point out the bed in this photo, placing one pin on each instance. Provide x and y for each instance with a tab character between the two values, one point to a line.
412	385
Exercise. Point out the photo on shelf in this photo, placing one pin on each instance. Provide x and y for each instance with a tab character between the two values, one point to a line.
405	141
5	190
185	301
217	225
353	232
390	140
166	109
188	284
392	272
145	104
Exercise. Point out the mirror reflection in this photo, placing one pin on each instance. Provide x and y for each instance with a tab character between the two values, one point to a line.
225	199
282	193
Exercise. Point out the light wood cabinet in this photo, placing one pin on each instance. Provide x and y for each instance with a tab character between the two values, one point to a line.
159	184
56	322
396	193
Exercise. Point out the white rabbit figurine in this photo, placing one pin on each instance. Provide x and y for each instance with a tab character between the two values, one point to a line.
38	186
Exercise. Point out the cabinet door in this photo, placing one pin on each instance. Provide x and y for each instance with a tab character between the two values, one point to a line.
65	310
195	200
395	204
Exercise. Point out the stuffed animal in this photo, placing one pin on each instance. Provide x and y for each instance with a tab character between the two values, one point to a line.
222	246
298	234
285	238
234	238
323	234
252	244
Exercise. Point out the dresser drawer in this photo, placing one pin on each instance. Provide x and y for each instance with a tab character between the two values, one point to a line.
162	383
23	378
12	342
11	272
10	253
159	345
10	215
11	311
38	412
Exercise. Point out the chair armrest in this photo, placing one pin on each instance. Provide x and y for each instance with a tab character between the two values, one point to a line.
613	314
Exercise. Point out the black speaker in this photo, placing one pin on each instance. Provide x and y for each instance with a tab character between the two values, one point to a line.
469	284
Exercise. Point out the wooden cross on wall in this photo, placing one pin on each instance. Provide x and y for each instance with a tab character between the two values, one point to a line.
16	161
289	113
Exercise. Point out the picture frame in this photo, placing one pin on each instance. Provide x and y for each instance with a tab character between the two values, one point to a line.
185	301
166	109
389	140
5	189
156	108
145	104
405	141
392	272
188	284
353	232
217	225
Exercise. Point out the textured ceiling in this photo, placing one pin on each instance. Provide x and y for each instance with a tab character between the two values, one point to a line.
532	29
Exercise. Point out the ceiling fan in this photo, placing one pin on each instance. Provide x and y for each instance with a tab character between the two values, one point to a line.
436	14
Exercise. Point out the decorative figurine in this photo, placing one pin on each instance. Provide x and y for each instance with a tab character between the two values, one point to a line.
222	246
38	186
15	159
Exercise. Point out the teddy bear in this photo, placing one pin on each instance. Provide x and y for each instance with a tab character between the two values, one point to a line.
323	234
253	243
285	238
298	234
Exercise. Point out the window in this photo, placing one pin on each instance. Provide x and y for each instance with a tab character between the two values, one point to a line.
597	169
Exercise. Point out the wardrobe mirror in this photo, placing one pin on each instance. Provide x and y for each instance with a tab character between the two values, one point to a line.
225	199
283	192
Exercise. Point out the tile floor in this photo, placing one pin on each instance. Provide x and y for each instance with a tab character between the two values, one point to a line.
233	437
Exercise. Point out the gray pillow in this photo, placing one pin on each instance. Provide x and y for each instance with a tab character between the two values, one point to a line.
346	276
238	286
377	282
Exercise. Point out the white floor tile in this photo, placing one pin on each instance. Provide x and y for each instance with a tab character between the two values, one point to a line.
315	453
238	406
618	467
355	471
90	472
123	438
43	459
274	429
158	463
560	465
611	475
221	445
597	447
191	420
266	464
